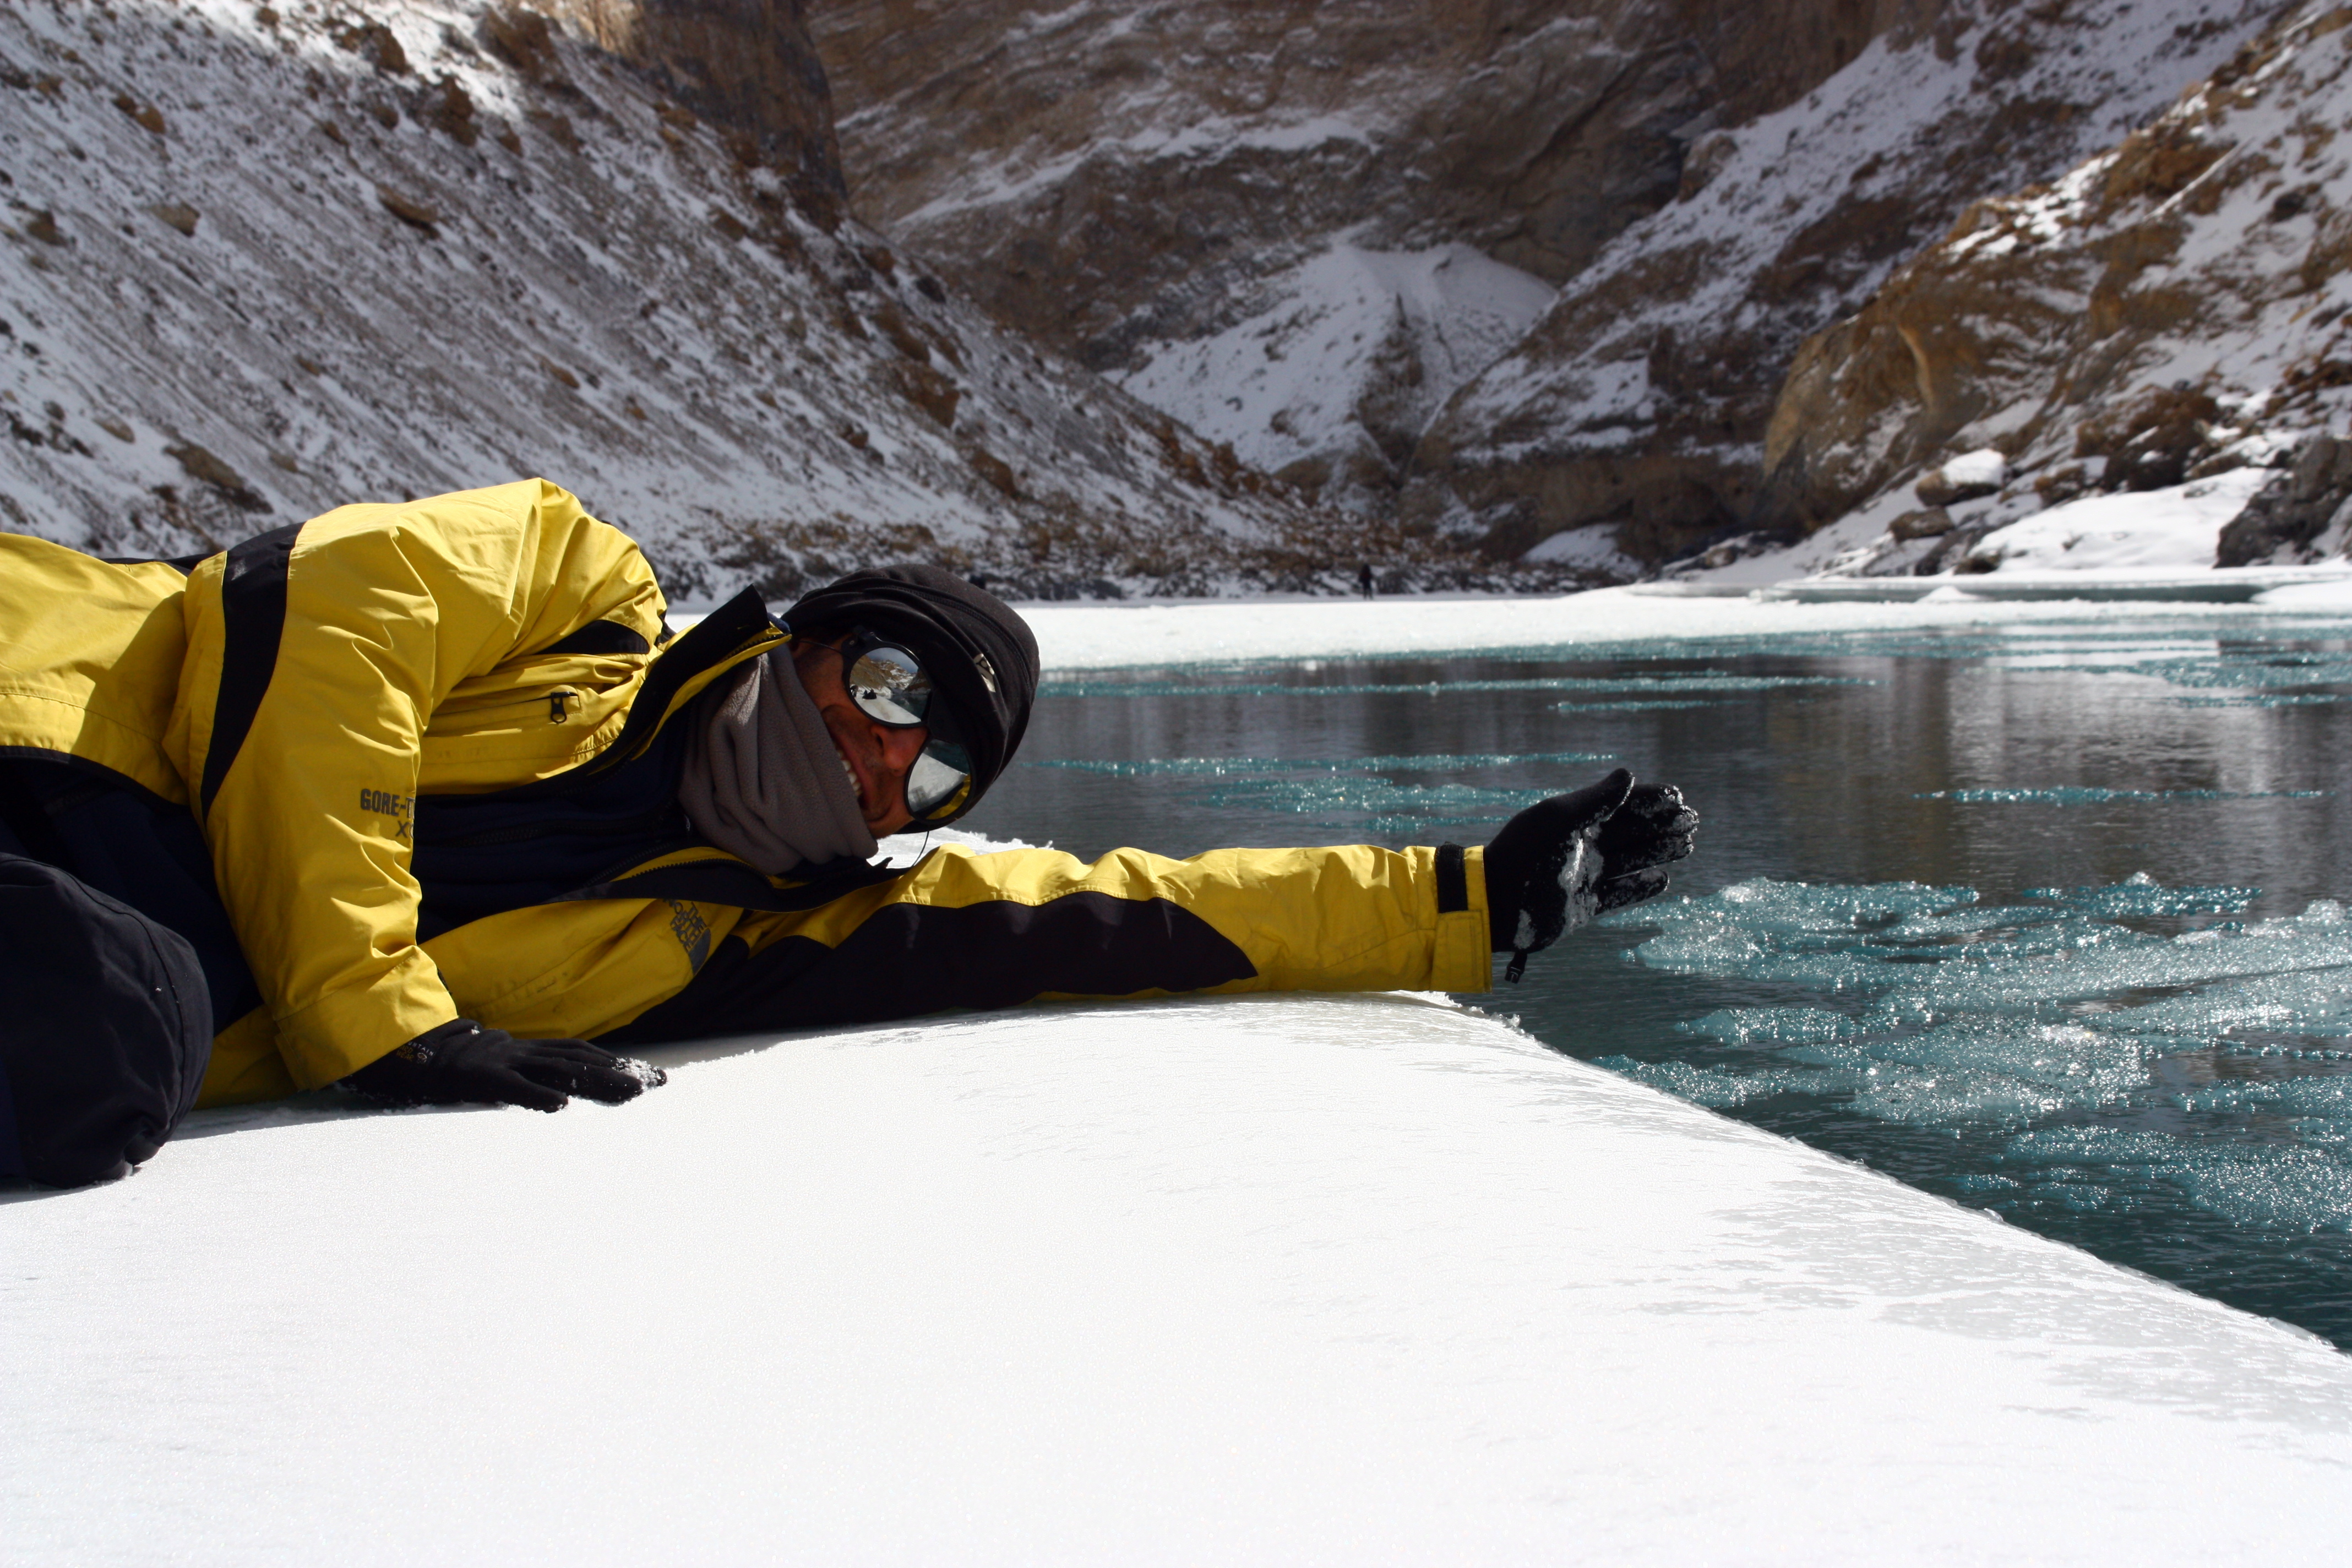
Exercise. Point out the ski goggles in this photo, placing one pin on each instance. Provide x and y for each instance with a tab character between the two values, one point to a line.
889	686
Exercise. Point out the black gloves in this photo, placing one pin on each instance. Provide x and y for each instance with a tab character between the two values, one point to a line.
462	1062
1564	860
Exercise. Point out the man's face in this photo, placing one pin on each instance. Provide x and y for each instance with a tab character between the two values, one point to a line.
876	755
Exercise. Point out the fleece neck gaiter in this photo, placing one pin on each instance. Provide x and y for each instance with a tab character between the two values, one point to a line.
763	778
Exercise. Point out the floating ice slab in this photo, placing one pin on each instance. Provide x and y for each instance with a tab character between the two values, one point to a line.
1286	1279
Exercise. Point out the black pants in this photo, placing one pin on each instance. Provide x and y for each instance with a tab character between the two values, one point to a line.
106	1011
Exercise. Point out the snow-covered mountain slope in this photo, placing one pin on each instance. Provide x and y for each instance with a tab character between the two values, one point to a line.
1290	1280
261	262
1638	407
1290	226
2169	312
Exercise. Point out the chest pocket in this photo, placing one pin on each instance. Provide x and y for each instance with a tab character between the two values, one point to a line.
545	710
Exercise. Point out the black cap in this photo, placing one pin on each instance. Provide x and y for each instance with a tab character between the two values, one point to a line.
980	654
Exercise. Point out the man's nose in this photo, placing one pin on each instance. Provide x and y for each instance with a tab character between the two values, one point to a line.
900	747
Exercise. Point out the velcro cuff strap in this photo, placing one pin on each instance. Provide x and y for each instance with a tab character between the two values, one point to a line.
1452	881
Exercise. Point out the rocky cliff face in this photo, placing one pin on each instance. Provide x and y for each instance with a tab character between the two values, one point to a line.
1500	272
2169	311
1637	408
746	66
1298	227
263	260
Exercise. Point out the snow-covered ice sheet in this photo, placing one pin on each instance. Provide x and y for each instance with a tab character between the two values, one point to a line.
2177	527
2333	596
1284	1279
1098	637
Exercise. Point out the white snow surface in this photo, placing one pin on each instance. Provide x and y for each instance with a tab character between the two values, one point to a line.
1357	1280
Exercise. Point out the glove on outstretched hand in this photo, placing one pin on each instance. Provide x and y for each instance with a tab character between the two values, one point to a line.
1564	860
1653	827
461	1063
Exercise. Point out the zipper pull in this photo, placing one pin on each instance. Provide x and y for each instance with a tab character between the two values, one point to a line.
555	713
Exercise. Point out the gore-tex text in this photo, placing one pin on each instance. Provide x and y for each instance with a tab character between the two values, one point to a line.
400	808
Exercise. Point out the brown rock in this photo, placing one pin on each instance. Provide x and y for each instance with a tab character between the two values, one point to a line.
556	126
448	108
932	390
408	209
2151	440
996	470
1941	488
182	218
901	333
1929	523
374	43
146	116
43	225
524	39
2290	512
200	463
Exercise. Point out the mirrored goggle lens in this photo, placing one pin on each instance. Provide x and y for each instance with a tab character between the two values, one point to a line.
888	684
938	774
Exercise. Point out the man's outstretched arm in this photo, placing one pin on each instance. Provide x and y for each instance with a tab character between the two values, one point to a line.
967	930
963	929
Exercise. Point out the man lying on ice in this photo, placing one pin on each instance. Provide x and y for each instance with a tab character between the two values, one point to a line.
422	798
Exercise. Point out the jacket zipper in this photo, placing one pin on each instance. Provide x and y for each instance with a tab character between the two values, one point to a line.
556	713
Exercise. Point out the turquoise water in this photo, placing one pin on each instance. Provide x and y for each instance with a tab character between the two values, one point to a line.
2043	920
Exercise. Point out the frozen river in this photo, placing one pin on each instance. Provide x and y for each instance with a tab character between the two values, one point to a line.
2037	916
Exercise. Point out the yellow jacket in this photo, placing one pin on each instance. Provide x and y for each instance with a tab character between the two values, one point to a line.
298	692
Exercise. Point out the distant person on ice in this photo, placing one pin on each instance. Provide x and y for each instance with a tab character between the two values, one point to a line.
422	798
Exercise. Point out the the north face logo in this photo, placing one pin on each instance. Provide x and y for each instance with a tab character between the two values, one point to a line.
693	932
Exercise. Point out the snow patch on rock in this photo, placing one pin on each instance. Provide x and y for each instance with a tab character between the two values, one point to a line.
1332	377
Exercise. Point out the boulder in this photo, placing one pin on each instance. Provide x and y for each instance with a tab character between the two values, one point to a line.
1931	522
2291	511
1972	476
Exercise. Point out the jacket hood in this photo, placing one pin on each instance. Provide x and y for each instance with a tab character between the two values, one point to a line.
982	656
